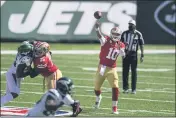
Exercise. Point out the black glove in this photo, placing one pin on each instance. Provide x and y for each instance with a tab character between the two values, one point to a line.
76	108
33	73
142	58
22	70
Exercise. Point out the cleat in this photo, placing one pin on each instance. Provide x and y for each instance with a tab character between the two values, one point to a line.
114	110
125	91
133	92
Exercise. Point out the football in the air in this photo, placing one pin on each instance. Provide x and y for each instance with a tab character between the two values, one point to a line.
97	14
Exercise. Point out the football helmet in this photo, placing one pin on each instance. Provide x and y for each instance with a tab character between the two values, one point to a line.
25	48
64	85
41	48
115	34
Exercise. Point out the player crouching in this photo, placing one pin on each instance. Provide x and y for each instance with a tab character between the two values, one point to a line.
43	64
55	98
111	48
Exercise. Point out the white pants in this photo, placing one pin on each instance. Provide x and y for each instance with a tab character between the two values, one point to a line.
12	85
36	111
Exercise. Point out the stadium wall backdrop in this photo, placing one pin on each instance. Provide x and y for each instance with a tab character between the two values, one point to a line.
74	21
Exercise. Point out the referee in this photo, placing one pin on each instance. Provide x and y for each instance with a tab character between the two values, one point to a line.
131	38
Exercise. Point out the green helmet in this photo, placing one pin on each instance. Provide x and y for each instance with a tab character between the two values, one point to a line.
25	48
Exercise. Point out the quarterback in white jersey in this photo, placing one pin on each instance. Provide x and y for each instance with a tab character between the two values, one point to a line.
17	72
55	98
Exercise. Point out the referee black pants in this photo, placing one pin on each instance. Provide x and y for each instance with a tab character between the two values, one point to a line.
129	61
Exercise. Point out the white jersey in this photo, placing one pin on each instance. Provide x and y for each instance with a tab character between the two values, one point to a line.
40	107
20	59
23	59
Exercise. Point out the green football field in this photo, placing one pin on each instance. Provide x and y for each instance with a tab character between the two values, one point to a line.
155	89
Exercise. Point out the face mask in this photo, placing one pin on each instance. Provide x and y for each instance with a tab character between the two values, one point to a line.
115	38
131	27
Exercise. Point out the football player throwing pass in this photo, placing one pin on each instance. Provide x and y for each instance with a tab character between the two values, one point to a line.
55	98
19	69
111	48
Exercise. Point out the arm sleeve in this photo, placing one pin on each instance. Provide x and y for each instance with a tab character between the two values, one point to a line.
100	37
122	49
68	100
20	73
33	73
102	40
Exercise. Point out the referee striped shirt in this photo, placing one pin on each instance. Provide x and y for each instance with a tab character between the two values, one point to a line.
132	39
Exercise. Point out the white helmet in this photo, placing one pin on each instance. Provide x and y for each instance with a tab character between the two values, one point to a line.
132	22
115	33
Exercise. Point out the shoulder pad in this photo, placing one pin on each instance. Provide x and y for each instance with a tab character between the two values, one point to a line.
26	60
54	92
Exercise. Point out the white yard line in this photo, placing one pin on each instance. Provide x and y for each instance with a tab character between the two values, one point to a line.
93	73
139	90
146	90
91	79
86	52
133	99
95	58
88	87
119	69
132	111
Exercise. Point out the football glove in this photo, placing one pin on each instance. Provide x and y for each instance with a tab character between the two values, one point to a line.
76	108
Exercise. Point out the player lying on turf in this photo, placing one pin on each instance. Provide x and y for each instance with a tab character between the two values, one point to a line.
19	69
55	98
111	48
44	65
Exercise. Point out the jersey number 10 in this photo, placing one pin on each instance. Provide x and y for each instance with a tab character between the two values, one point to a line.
113	54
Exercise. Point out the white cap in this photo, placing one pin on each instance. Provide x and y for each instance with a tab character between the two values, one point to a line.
132	22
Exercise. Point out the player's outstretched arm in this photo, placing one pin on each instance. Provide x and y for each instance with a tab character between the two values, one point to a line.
99	34
75	104
97	29
33	73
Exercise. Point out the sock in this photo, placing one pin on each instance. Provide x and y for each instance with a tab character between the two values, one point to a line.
98	95
114	103
98	98
115	92
6	98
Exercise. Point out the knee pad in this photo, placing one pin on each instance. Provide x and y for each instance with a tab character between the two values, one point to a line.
14	95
